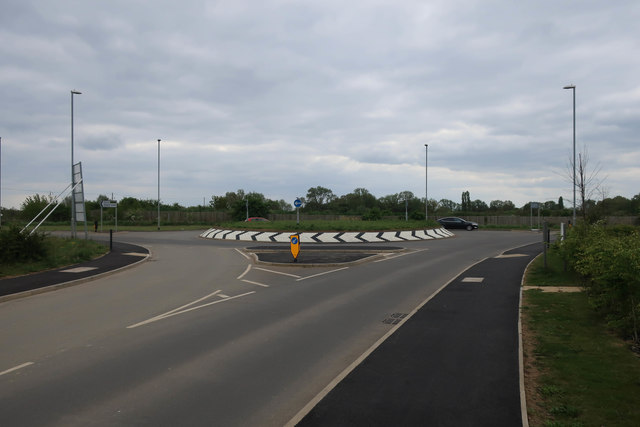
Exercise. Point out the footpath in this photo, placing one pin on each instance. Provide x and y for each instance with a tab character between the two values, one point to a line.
453	362
121	256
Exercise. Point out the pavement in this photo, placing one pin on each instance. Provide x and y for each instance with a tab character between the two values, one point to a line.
454	361
121	256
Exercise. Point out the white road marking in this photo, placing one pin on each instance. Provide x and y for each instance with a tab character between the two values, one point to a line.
320	274
223	296
242	253
255	283
245	272
182	310
387	257
15	368
511	256
278	272
79	269
473	280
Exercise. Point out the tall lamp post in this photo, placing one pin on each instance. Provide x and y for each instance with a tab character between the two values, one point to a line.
0	183
158	184
73	194
573	88
426	183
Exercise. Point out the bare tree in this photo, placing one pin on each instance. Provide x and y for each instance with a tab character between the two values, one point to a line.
587	180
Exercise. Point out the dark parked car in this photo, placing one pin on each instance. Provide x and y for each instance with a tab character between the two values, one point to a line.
454	222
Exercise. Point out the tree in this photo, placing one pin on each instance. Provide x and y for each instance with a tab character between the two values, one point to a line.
465	206
586	180
501	205
319	197
256	203
479	206
33	205
448	206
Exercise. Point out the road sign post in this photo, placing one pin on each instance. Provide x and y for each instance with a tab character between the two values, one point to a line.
297	203
295	246
109	204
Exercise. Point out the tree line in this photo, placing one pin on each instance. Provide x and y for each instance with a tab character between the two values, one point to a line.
323	201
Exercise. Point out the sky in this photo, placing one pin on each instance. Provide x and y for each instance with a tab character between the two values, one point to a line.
277	97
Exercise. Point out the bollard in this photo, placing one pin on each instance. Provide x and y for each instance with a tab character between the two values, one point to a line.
545	242
110	240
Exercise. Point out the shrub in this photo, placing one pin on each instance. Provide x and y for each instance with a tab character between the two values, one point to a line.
609	262
19	247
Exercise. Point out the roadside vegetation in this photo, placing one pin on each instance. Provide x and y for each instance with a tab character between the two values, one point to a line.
336	226
582	366
320	203
21	253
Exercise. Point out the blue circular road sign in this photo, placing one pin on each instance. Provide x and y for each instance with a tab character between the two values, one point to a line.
297	203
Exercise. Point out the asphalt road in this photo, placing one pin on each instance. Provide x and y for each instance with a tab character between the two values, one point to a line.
200	336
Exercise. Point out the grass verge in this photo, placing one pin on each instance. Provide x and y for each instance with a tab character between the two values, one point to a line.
576	372
59	252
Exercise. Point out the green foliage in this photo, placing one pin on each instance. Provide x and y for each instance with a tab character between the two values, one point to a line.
609	262
587	378
253	203
33	205
20	247
373	215
22	254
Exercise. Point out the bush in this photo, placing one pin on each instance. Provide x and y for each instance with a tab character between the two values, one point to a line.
20	247
609	262
374	214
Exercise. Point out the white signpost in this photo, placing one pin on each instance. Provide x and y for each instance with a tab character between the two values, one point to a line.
109	204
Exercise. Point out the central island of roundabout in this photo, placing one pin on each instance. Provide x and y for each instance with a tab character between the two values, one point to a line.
326	248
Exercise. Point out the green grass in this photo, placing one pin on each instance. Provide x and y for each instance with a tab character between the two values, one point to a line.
555	274
60	252
589	377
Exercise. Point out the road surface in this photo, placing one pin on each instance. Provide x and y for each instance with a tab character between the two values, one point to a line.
199	335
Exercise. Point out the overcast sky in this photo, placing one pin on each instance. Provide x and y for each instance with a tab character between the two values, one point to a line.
276	97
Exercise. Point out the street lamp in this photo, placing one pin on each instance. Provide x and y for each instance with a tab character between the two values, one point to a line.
0	183
158	184
73	194
573	88
426	183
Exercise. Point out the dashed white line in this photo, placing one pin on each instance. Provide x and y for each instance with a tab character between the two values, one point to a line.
16	368
320	274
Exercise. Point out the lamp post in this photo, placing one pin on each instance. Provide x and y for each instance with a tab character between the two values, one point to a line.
573	88
73	194
426	183
0	183
158	184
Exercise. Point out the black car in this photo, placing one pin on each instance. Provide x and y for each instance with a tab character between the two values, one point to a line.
454	222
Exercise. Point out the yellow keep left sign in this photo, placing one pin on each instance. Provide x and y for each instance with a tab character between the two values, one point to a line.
295	246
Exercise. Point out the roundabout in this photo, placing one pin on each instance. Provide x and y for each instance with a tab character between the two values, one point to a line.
328	237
